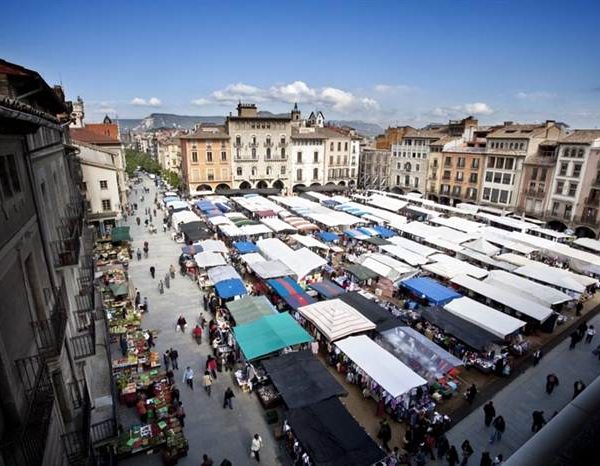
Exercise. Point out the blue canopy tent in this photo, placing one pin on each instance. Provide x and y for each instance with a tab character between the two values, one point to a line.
223	207
285	286
297	300
366	231
245	247
356	234
328	236
384	232
230	288
191	249
329	203
431	290
170	199
327	289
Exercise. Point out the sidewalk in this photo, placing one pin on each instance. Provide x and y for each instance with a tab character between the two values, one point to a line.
527	393
208	427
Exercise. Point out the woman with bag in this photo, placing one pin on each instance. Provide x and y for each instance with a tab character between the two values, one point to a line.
181	323
255	447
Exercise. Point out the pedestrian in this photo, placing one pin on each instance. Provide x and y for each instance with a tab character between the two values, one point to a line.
146	248
589	334
181	323
152	271
167	280
205	301
138	299
161	287
581	330
228	398
137	219
197	334
551	382
486	459
471	393
171	377
578	387
188	377
538	421
537	355
206	460
139	254
578	308
207	382
452	456
172	271
442	446
211	365
146	308
488	413
123	345
467	451
574	340
499	428
166	360
174	355
499	459
230	361
180	414
150	340
385	433
255	447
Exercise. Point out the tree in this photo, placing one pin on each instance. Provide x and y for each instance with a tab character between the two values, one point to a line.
172	178
135	158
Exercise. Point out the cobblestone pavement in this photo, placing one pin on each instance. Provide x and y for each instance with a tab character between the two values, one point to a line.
220	433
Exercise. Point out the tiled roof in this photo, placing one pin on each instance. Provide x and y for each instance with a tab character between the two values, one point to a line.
582	136
107	129
91	137
207	132
517	131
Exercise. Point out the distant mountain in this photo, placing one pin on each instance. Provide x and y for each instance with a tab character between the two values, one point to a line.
168	120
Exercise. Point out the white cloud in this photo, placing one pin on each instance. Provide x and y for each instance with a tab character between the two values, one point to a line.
391	88
535	95
476	108
201	102
151	102
339	100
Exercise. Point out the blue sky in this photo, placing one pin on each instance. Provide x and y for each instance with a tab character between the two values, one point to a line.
396	62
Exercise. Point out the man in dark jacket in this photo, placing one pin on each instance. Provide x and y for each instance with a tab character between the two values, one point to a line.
489	412
228	398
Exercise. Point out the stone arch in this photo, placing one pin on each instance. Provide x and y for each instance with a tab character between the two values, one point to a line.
342	183
397	190
585	232
297	187
245	185
262	184
352	183
222	187
315	184
278	184
557	225
203	187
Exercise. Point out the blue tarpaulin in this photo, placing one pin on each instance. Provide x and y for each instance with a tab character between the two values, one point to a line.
366	231
431	290
230	288
327	289
245	247
384	232
285	286
328	236
191	249
224	208
298	300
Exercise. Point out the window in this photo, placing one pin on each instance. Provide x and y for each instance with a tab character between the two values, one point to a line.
509	163
489	176
544	173
223	156
209	156
564	166
576	170
499	162
338	159
459	176
253	153
316	157
407	180
416	181
486	194
473	178
494	197
568	211
345	146
254	140
572	189
106	205
299	174
407	167
210	175
580	153
475	163
282	140
555	207
345	160
506	178
315	173
448	162
339	145
269	170
331	146
268	141
435	163
103	184
534	173
283	152
461	162
559	187
299	157
268	153
353	171
491	162
446	175
497	177
521	146
194	157
253	171
238	141
503	196
9	176
417	167
239	171
283	169
456	191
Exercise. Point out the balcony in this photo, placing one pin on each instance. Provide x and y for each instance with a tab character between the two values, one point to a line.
535	193
27	445
593	201
268	144
85	345
50	333
76	443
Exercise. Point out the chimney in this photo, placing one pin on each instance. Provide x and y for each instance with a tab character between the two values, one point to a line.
550	123
508	123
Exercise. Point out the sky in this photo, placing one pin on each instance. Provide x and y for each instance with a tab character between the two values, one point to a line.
389	62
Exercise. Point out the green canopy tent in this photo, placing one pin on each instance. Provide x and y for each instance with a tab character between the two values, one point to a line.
360	272
250	308
268	335
119	289
118	234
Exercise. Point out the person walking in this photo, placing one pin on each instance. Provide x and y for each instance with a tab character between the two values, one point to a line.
181	323
211	365
452	456
486	459
537	355
538	421
138	299
228	398
166	360
146	249
385	434
578	387
574	340
471	393
206	460
146	308
442	446
255	447
188	377
152	271
467	451
581	330
551	382
589	334
167	280
161	287
174	355
499	428
488	413
207	382
180	414
172	271
139	254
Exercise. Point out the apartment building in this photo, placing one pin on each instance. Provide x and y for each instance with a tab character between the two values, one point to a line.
206	159
374	169
308	156
169	154
392	135
342	150
575	189
50	404
507	148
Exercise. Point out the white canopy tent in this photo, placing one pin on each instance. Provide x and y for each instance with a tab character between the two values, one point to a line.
270	269
482	246
496	322
309	241
386	202
386	266
223	272
413	246
500	238
457	223
468	254
209	259
449	267
301	262
405	255
589	244
278	225
542	294
184	216
556	277
213	245
252	258
502	296
386	370
335	319
220	220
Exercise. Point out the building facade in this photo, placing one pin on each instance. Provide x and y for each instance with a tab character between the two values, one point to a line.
169	155
49	326
374	169
206	159
392	135
342	150
307	159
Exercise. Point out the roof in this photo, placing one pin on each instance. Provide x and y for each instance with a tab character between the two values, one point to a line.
92	137
301	379
250	308
517	131
424	133
110	130
542	294
431	290
230	287
581	136
302	133
207	132
269	334
120	234
327	289
381	317
360	272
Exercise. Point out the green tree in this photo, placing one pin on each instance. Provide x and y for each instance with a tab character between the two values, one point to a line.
135	158
172	178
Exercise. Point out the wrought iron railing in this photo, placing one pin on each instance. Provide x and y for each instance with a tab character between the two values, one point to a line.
85	345
50	333
76	443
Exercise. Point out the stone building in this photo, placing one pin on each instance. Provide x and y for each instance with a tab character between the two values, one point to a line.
374	169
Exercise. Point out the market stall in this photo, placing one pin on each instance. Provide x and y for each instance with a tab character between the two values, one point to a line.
430	290
249	309
327	289
245	247
371	310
